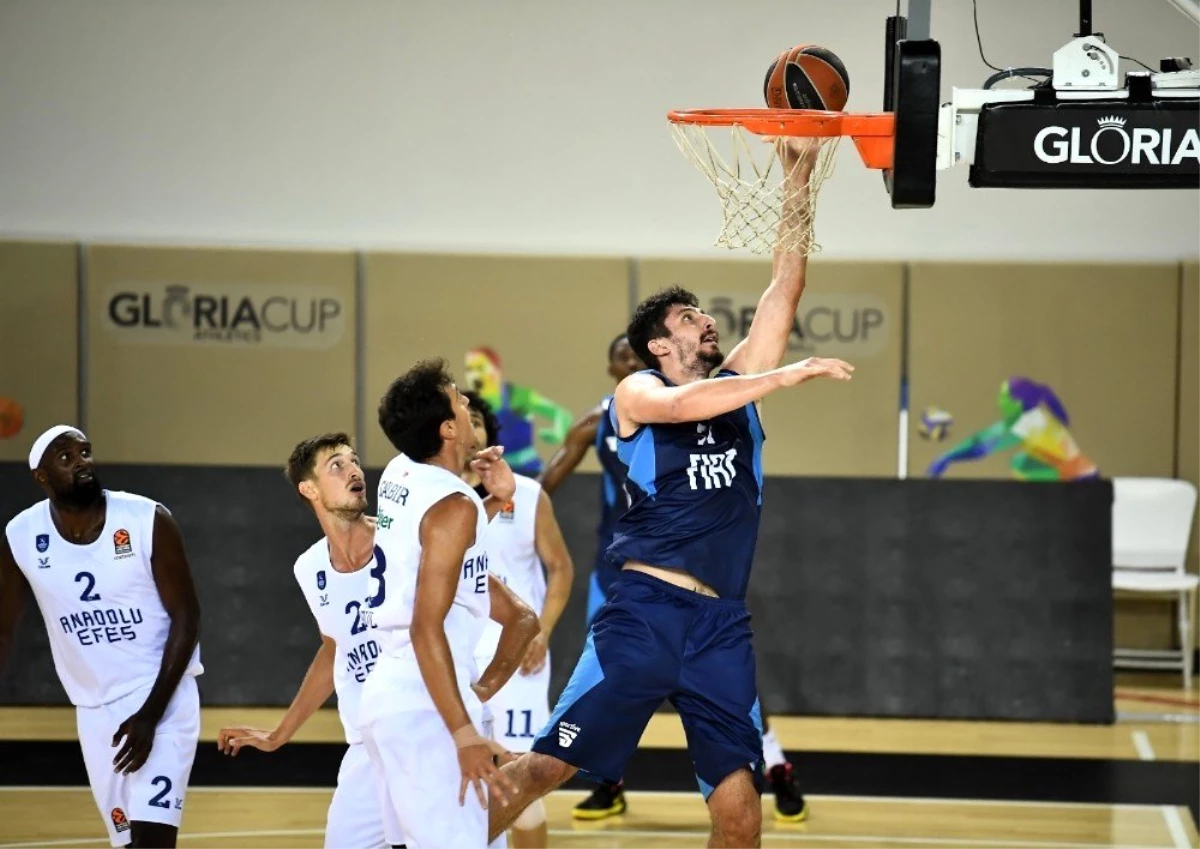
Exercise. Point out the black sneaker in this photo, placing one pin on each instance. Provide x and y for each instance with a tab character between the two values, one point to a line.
789	801
607	800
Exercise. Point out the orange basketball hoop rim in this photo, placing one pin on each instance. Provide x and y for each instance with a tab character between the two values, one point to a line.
873	133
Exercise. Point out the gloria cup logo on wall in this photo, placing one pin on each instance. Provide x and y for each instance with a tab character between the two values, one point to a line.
826	325
228	314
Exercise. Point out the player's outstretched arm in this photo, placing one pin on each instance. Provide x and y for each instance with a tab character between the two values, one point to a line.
14	598
644	399
315	689
519	625
580	437
447	531
560	573
173	578
766	343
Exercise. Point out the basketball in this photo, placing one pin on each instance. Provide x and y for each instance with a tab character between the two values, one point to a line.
807	77
12	418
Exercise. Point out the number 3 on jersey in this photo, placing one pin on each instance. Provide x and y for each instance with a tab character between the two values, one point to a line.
377	588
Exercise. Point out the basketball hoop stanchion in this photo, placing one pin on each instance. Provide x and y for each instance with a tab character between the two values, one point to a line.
764	208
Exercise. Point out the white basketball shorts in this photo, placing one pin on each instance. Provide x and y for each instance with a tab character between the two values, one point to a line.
419	762
157	791
361	815
521	708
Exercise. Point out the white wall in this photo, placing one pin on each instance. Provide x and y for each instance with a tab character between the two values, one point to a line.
509	125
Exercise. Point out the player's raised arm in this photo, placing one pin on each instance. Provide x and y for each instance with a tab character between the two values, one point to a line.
644	399
315	689
580	437
766	342
14	597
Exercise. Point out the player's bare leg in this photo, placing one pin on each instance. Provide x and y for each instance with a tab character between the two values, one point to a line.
536	837
736	812
534	775
152	835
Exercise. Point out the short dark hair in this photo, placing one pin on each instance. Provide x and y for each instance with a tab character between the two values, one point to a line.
649	320
412	410
612	346
491	424
302	464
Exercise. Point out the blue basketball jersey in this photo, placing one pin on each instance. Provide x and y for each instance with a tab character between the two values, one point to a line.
612	494
695	494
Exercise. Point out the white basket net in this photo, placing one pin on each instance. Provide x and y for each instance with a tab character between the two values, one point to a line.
764	208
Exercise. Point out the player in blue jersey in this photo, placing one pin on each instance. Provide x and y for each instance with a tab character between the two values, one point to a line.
595	430
675	625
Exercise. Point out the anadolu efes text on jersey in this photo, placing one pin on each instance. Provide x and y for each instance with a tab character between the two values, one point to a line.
407	491
695	491
341	604
106	623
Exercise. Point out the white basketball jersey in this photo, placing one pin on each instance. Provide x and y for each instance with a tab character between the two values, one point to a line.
106	623
513	557
339	603
406	492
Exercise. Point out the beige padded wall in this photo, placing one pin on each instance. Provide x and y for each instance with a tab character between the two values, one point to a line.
217	356
1189	388
848	310
39	351
1101	336
550	319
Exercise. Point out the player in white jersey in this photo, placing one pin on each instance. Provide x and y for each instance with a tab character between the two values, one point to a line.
111	578
334	574
522	538
422	709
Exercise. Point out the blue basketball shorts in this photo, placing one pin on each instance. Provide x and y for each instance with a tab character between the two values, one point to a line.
650	642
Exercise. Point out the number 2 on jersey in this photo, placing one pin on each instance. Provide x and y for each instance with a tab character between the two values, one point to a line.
160	800
89	584
359	626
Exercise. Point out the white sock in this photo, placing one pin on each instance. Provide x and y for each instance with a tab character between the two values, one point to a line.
772	751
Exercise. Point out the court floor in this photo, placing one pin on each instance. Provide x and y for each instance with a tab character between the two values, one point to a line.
269	817
1156	740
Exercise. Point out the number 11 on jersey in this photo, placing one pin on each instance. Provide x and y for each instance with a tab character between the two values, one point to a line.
528	722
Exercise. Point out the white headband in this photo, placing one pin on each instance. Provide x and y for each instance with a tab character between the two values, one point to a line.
43	442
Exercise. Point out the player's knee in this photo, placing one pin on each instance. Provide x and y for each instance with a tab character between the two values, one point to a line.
547	773
741	825
736	811
532	817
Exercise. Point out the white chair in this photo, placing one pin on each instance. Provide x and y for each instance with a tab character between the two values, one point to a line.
1151	524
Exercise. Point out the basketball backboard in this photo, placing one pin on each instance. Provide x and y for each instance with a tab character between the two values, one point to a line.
1076	125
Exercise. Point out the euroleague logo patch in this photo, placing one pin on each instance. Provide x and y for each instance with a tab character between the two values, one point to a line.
506	512
122	546
120	821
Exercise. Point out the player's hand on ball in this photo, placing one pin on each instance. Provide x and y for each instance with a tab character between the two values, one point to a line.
478	768
138	732
495	473
231	740
535	655
807	369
